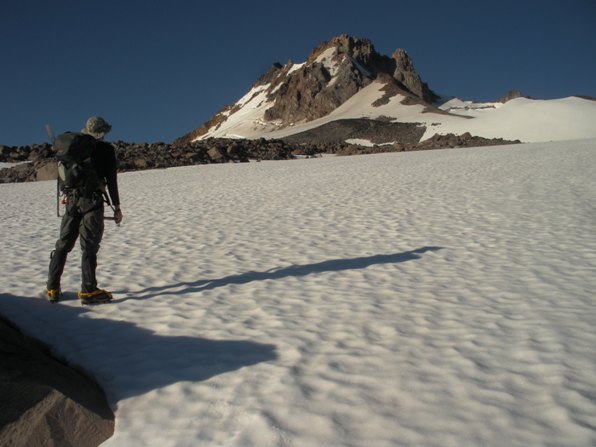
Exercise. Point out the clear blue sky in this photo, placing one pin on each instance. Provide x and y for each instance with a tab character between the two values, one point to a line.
159	69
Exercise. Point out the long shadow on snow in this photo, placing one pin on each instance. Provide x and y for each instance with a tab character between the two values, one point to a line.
332	265
127	360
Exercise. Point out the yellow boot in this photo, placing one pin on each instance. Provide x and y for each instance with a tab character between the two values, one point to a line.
98	296
54	295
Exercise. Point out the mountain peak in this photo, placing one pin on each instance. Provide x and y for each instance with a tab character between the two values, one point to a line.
333	73
357	48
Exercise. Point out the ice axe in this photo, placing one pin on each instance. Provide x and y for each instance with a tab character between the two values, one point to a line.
50	132
52	136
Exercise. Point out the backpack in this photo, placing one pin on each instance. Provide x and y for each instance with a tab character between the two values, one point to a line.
76	170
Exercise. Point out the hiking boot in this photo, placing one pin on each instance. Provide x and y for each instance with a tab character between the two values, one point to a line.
54	295
98	296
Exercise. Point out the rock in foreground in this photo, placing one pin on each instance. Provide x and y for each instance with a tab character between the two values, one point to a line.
43	402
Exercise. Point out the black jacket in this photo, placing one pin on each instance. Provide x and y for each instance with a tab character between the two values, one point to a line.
104	158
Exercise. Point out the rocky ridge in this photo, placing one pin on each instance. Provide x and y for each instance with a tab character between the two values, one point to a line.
37	162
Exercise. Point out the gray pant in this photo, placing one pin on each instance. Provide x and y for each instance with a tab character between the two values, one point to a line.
83	218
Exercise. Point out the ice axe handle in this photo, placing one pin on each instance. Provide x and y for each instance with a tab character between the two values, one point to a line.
50	132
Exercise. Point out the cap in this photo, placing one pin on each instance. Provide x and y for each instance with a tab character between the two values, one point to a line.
97	127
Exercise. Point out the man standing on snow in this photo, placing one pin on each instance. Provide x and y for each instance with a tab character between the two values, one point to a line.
84	218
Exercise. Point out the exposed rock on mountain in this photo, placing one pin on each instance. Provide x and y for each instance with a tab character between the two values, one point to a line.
374	131
333	73
405	74
511	94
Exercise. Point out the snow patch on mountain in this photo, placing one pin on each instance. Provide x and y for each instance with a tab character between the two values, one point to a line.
326	58
468	108
296	67
528	120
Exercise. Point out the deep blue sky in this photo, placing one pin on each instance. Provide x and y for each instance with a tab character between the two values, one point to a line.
159	69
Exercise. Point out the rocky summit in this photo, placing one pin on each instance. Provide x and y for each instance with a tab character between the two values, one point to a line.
333	73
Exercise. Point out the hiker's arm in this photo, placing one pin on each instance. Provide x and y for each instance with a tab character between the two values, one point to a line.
112	179
111	175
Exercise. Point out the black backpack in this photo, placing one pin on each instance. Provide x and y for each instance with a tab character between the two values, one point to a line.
76	170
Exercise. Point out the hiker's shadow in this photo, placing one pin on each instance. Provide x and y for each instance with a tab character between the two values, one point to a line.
128	360
332	265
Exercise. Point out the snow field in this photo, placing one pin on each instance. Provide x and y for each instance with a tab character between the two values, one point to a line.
440	298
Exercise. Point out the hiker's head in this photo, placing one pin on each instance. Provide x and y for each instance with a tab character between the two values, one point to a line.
97	127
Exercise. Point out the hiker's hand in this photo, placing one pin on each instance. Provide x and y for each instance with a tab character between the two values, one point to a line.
118	216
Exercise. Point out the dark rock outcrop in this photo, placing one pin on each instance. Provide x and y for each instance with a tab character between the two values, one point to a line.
44	169
376	131
328	138
465	140
405	74
135	157
43	402
511	94
435	142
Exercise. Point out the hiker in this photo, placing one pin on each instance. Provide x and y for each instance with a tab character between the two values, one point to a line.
84	216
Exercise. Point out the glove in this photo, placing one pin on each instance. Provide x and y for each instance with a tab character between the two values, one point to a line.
118	216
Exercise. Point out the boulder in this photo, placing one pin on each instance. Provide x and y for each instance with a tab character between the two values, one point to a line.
511	94
44	402
140	163
46	171
216	155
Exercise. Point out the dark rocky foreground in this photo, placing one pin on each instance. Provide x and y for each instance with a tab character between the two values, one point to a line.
329	138
43	402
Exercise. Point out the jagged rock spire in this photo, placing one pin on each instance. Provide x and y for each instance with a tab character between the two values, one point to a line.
405	74
333	72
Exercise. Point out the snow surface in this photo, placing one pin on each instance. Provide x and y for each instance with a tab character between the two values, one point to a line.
10	165
365	143
438	298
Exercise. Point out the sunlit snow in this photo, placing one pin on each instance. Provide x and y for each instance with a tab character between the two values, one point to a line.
437	298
